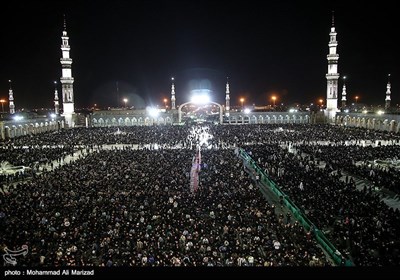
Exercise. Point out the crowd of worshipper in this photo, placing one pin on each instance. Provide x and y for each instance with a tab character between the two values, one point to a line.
358	222
133	205
171	136
128	207
140	135
29	155
379	164
298	133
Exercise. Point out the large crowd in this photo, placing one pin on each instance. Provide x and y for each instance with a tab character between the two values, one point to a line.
357	222
362	161
134	207
131	205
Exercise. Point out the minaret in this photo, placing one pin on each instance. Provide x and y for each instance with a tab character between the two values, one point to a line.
173	95
332	76
117	88
67	80
388	92
344	92
56	103
11	99
227	98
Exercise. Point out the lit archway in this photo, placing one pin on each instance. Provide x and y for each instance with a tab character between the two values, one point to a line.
190	102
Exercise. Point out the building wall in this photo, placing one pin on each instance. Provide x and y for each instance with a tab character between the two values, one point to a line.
267	117
385	122
129	118
11	129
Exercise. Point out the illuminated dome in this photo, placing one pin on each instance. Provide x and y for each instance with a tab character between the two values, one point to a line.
200	91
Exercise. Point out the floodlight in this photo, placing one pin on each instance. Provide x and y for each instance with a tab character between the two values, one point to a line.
153	111
200	99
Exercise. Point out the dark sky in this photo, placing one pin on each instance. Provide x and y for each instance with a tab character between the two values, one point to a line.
274	47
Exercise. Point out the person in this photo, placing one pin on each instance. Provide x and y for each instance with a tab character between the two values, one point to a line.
281	202
288	217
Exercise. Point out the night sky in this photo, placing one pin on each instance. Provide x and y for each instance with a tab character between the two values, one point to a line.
278	47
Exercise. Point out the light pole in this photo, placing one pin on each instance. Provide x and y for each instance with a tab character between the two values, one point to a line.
125	101
2	104
242	100
273	100
356	99
165	103
322	102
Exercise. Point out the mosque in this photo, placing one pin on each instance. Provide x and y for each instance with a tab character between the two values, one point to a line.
177	114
